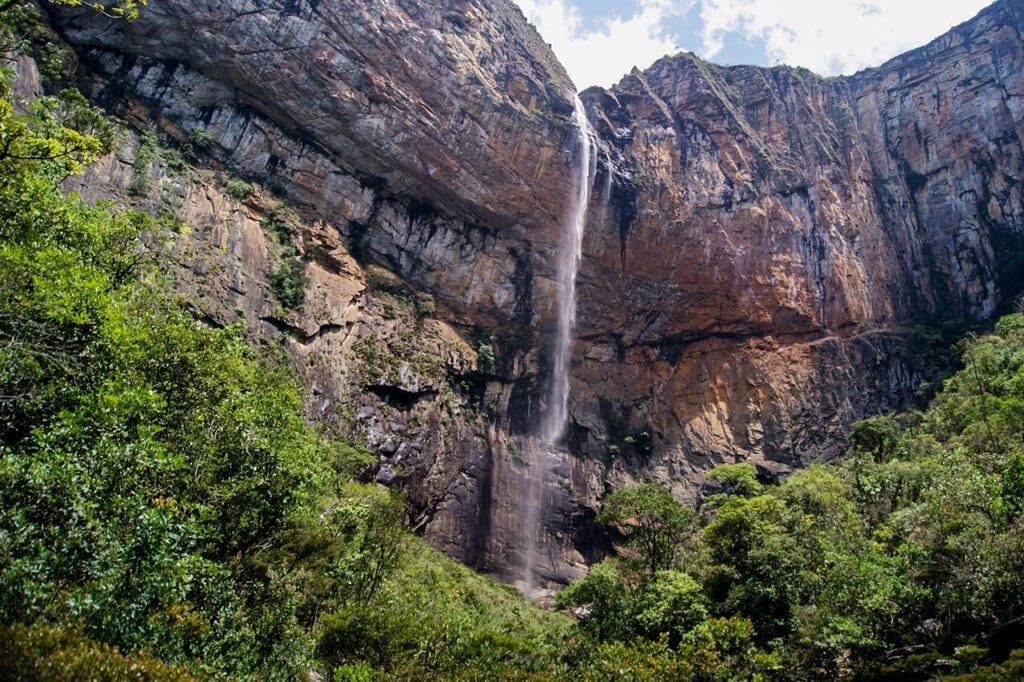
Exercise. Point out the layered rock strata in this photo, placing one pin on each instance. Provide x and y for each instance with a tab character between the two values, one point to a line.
758	238
766	234
432	143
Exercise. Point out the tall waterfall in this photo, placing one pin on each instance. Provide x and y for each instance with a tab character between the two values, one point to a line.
553	424
541	447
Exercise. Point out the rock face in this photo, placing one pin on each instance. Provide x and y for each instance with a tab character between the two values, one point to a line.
757	238
428	147
764	233
380	366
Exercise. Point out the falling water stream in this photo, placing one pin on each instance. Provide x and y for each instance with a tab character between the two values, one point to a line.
553	424
541	448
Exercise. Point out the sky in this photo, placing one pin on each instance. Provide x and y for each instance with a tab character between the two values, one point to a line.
599	41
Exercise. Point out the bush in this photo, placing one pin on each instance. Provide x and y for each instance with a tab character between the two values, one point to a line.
200	138
737	479
1009	671
367	634
486	358
143	163
288	281
174	159
239	190
607	599
673	603
280	224
46	652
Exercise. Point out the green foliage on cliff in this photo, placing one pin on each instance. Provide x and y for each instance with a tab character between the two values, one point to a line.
288	279
239	190
901	561
165	512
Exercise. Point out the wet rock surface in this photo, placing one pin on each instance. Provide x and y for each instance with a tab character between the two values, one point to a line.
757	239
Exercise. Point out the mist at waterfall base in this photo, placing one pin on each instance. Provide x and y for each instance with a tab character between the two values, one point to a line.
542	447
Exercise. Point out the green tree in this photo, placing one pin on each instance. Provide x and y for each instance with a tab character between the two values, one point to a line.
607	599
875	437
672	603
655	524
370	523
737	479
1011	480
756	562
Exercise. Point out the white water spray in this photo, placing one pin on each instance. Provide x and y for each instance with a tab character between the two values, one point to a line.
555	419
542	446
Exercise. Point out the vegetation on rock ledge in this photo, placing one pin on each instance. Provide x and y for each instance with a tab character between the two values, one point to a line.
904	560
166	514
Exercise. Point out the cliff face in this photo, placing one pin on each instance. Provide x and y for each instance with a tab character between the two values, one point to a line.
756	237
764	233
358	111
428	148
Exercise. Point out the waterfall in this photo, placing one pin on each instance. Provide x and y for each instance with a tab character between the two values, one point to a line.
542	447
553	424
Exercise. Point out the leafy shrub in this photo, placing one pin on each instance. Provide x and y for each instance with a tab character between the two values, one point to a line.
608	600
1008	671
143	163
485	357
200	137
61	654
280	224
737	479
424	305
174	159
672	603
367	634
288	281
239	190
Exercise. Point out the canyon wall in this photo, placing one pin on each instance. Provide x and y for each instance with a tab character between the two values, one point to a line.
757	241
766	234
427	148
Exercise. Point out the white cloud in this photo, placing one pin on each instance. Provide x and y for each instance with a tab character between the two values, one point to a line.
827	36
838	36
602	56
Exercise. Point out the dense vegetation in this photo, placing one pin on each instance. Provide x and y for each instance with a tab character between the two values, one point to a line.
166	514
904	560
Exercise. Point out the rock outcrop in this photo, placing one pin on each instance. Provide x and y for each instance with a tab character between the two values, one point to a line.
757	239
766	234
428	147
